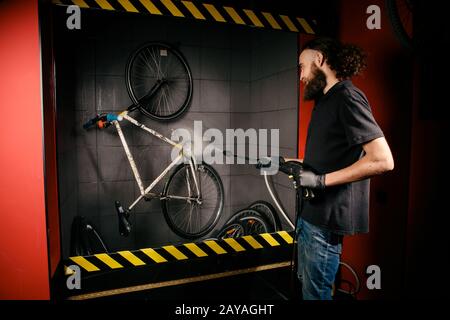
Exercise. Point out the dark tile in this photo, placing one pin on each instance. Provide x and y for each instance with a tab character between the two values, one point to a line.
87	164
68	211
196	93
255	96
241	38
109	230
151	230
84	92
88	199
216	36
287	88
240	65
269	95
240	96
113	164
245	189
257	65
151	161
226	182
84	137
112	57
215	64
287	54
247	120
269	120
183	31
288	120
242	169
111	93
149	28
109	192
192	56
215	96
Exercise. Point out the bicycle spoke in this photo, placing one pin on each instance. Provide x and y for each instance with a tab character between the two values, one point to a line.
194	217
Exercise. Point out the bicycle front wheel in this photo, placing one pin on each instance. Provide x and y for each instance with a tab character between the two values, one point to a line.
159	81
190	214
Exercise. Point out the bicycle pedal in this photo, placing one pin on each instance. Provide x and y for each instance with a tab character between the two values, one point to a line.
124	223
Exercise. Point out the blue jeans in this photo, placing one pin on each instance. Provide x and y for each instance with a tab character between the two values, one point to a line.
318	260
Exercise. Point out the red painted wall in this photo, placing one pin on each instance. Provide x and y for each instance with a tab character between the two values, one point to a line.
49	102
24	272
388	83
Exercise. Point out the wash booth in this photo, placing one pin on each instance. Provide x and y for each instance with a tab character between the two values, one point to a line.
243	61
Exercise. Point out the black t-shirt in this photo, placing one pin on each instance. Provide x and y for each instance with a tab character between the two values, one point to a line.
341	123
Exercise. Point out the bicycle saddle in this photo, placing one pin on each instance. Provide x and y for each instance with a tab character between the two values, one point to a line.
124	223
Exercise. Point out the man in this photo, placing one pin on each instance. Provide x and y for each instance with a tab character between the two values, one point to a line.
345	146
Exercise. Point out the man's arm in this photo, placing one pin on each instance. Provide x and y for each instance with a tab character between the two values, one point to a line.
377	160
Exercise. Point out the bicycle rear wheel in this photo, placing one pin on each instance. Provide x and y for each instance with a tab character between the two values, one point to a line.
159	81
191	218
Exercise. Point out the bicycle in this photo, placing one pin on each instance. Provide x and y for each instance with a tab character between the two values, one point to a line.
159	82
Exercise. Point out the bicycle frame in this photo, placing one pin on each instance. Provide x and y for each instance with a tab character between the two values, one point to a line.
183	154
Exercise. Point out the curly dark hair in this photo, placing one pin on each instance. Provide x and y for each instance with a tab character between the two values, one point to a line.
347	60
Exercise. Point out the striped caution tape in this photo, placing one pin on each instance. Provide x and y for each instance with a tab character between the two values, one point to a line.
186	251
201	11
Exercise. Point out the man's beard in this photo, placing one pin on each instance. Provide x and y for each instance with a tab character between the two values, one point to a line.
314	87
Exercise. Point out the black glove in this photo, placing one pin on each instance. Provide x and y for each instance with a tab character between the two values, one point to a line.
311	180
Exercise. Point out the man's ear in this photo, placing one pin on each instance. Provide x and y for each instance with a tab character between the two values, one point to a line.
319	58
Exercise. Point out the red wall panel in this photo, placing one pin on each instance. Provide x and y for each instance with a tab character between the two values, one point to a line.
24	270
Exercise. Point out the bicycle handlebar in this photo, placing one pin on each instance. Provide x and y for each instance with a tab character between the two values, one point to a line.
102	120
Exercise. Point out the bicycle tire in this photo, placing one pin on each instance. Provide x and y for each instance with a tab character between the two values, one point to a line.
159	61
247	217
397	23
193	224
234	230
269	213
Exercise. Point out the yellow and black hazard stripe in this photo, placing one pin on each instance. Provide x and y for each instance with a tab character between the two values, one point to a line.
202	10
171	253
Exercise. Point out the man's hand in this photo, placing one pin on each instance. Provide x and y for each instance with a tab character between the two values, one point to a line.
311	180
